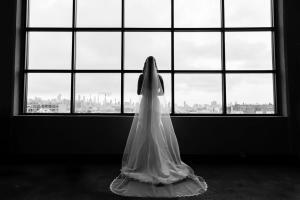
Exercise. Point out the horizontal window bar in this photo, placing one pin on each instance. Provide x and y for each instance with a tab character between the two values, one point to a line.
132	114
140	71
224	71
250	71
69	71
225	29
221	114
151	29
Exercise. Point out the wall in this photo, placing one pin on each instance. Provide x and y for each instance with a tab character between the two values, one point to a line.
292	24
107	135
7	13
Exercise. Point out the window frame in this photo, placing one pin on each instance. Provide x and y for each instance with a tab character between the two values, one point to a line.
222	30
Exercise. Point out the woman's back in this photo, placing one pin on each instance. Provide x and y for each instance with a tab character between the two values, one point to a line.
151	163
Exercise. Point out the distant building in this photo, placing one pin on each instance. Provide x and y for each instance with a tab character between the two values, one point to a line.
89	105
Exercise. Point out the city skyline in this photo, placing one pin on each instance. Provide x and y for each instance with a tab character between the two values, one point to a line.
192	88
87	104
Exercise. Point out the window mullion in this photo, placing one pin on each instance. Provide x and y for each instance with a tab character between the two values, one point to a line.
172	59
72	101
223	62
122	56
24	57
275	66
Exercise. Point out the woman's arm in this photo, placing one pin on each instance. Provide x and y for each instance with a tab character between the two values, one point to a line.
140	82
162	89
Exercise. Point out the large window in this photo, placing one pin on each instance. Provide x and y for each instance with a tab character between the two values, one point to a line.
215	56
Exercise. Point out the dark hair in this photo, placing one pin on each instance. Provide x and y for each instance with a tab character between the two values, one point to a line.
148	58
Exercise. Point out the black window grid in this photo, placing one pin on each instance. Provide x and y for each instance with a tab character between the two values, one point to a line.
223	71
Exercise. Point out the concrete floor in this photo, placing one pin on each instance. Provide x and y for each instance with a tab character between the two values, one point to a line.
91	181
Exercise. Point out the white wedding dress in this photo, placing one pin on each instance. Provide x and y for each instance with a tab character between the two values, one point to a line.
151	163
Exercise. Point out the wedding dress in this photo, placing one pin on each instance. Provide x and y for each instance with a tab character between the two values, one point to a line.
151	163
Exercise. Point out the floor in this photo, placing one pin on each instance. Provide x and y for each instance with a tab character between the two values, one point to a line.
91	181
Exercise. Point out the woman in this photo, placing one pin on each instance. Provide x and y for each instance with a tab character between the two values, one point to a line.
151	163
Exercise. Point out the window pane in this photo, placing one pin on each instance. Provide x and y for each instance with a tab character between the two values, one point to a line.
49	50
130	91
98	13
197	13
248	51
138	46
98	93
168	91
148	13
197	51
98	50
198	93
50	13
48	93
248	13
250	94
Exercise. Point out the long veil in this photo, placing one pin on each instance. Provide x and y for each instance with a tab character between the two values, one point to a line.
151	162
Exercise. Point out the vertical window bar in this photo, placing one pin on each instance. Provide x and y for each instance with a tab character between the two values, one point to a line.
25	23
25	75
26	12
122	56
72	101
276	77
172	59
273	37
25	88
272	13
223	62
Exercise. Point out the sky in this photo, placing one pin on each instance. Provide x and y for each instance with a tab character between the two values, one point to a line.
192	50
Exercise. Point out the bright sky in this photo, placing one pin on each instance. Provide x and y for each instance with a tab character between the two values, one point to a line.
192	50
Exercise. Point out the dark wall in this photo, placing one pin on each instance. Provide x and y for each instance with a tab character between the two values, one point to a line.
7	13
107	135
292	25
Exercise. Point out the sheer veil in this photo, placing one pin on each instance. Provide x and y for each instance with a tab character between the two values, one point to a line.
151	163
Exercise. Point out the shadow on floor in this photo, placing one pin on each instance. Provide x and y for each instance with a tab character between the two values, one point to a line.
91	182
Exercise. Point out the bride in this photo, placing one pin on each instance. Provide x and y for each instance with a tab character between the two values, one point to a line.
151	163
